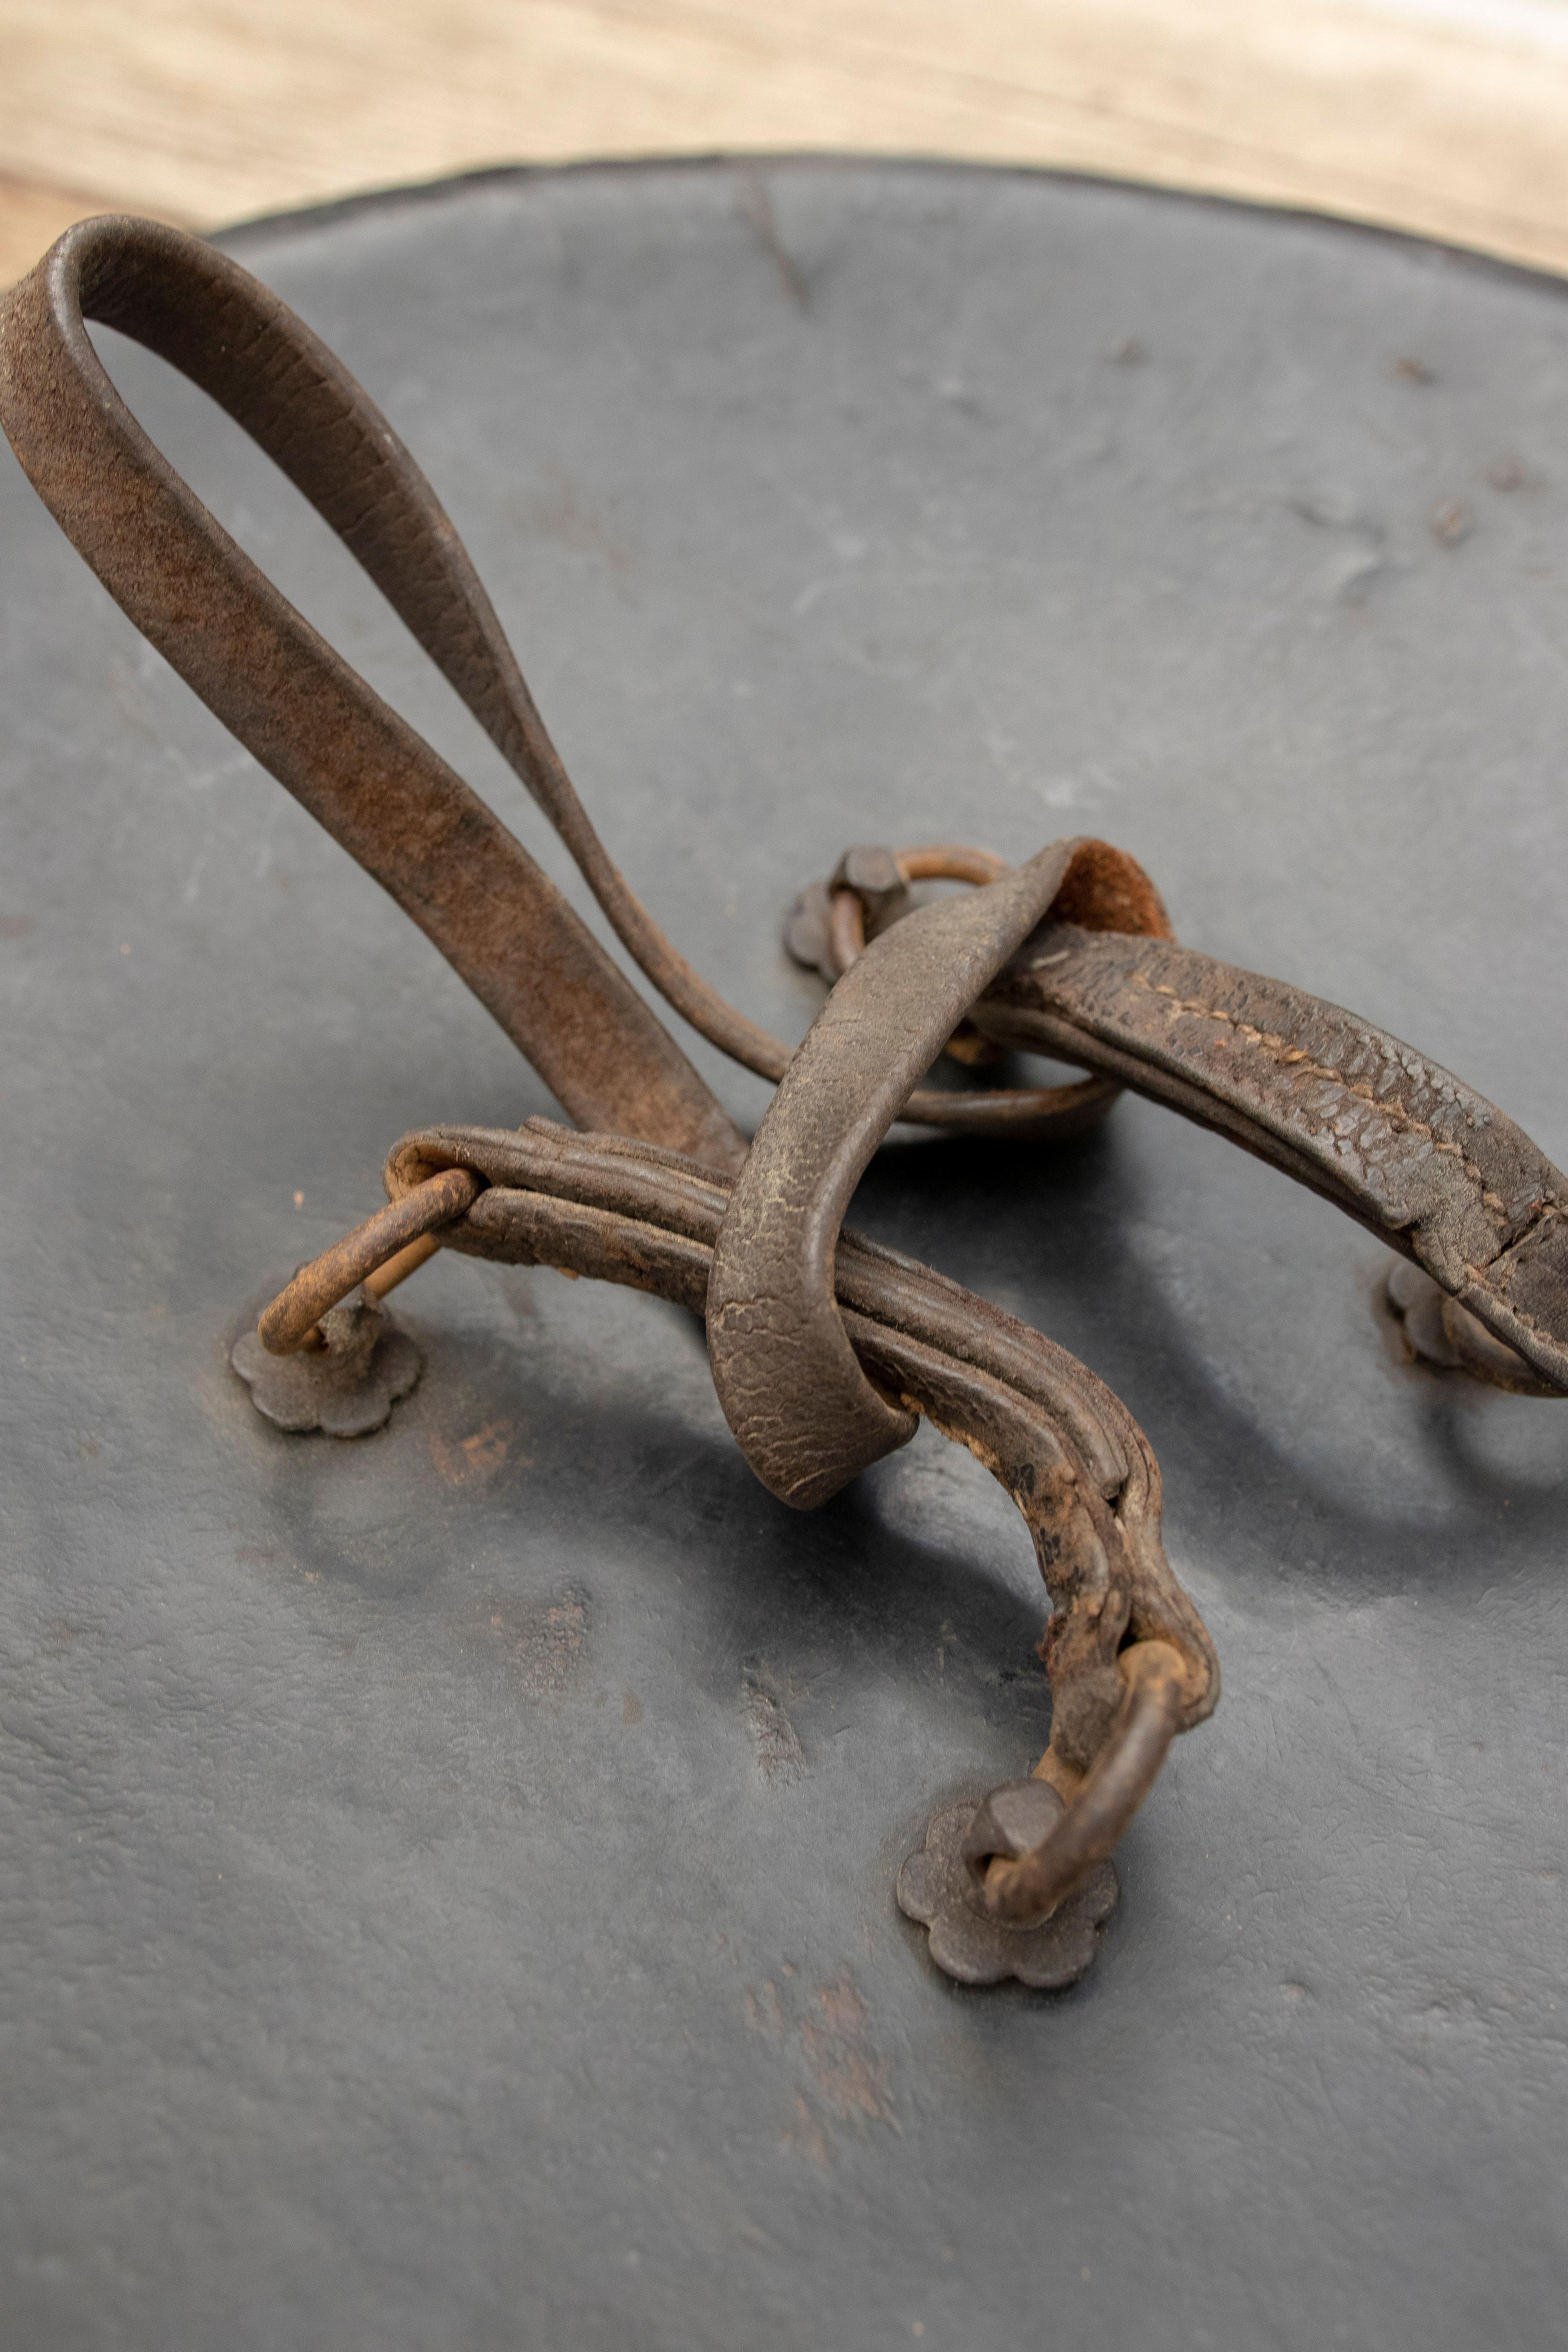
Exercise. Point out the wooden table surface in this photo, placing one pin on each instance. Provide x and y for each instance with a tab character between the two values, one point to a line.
1443	115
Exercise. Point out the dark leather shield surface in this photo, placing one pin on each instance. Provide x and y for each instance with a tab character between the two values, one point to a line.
448	1876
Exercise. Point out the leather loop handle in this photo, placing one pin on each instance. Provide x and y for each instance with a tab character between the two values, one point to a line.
362	772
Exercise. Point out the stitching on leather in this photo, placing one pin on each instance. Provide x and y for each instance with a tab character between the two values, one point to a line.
1297	1056
1495	1290
1530	1241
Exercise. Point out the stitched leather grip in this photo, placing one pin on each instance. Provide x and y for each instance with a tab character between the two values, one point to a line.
1400	1144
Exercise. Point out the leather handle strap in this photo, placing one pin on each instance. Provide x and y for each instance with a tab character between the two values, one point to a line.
802	1411
1061	1443
1425	1161
362	772
1399	1143
1131	1662
365	775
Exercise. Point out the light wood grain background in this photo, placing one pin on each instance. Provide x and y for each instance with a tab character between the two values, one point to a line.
1444	116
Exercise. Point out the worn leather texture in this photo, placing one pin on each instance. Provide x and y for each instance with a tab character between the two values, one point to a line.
1406	1147
448	1876
803	1413
252	657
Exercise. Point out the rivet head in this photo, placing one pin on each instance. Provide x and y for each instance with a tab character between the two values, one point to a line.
349	1387
937	1889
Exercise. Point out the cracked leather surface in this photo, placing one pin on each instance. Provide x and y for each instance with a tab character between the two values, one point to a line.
447	1881
1410	1149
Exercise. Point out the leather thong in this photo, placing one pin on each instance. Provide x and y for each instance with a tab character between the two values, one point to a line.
825	1348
